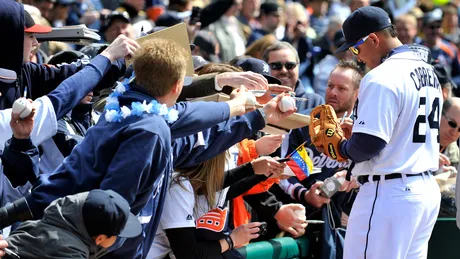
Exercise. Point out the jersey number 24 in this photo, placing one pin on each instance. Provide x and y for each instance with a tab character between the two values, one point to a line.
433	121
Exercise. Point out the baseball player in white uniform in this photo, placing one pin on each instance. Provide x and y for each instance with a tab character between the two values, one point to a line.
394	143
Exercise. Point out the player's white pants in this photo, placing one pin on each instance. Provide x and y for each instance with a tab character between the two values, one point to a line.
393	219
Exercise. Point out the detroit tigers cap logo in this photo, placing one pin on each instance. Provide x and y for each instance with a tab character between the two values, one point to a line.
329	132
266	68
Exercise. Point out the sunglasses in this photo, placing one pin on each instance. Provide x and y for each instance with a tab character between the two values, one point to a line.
434	27
451	123
279	65
354	49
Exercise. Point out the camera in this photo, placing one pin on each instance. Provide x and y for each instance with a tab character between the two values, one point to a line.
262	228
195	16
17	211
331	185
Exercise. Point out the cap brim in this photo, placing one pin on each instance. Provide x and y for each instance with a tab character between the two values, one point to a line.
188	80
133	227
273	80
37	28
7	76
344	47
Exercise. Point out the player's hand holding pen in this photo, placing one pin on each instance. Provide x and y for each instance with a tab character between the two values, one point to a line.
347	125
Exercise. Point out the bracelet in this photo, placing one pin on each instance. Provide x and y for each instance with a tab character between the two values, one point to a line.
262	112
229	242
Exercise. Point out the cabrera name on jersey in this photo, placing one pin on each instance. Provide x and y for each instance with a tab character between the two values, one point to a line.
400	101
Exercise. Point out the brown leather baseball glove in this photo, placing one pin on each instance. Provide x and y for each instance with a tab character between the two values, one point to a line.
325	131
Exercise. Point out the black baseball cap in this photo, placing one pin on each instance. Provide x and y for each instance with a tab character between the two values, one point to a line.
31	27
443	75
362	22
105	212
207	43
269	8
258	66
114	16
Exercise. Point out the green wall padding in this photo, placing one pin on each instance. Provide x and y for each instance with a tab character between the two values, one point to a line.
278	248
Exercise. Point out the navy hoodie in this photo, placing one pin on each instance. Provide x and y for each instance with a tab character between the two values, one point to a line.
39	80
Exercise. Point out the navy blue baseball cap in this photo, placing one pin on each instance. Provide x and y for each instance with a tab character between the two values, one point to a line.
105	212
258	66
362	22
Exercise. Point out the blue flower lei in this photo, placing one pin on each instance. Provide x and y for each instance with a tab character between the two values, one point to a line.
113	112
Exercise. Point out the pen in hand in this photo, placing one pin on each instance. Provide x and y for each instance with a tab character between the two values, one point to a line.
10	253
344	116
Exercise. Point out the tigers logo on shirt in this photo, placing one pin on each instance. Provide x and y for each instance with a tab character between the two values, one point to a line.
214	220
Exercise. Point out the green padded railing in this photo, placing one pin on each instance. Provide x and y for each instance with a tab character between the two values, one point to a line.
278	248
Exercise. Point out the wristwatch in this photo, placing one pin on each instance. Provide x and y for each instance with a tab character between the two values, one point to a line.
229	242
262	112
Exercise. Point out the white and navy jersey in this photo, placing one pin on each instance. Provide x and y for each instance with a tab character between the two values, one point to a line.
400	102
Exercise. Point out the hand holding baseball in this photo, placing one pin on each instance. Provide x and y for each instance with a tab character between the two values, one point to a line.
287	103
22	127
274	114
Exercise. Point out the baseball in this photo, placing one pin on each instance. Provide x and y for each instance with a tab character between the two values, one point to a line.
22	107
300	214
287	103
250	99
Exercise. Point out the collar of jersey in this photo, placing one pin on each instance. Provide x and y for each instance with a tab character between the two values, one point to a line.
400	49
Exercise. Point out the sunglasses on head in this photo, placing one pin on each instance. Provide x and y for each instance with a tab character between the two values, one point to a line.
279	65
354	49
451	123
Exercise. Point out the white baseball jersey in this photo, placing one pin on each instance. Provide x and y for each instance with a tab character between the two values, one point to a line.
400	102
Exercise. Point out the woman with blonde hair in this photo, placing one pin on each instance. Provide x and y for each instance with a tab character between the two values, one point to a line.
193	192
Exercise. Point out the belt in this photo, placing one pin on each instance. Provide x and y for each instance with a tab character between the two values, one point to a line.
362	179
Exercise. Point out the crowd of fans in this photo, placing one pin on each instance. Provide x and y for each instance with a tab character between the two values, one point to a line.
208	158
